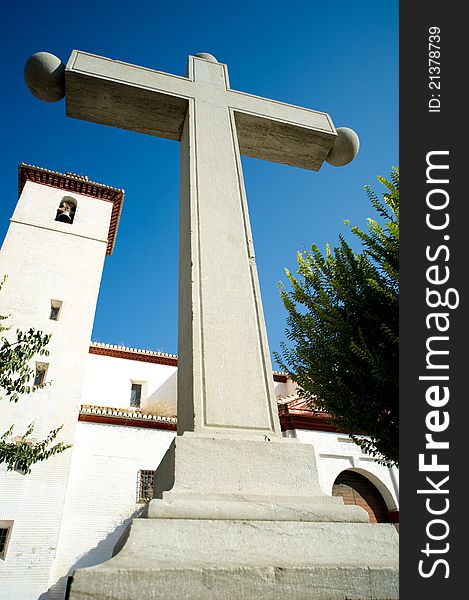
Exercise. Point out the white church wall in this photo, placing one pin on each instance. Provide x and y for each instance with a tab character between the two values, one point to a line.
35	504
47	260
283	389
335	453
102	492
108	382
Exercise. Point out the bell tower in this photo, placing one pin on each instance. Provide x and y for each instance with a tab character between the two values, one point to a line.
53	254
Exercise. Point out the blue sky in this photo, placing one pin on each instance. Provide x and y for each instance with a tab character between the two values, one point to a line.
340	58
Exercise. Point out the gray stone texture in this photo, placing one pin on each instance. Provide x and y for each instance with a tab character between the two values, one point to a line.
238	583
210	560
244	518
44	75
228	478
345	148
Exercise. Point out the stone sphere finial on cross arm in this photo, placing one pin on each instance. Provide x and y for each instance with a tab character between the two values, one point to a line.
44	75
345	147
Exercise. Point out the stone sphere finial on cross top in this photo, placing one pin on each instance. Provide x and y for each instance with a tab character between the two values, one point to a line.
207	56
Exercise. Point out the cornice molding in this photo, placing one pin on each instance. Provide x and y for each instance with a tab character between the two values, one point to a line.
150	356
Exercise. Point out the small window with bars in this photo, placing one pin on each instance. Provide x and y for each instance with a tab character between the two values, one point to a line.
5	533
136	395
145	480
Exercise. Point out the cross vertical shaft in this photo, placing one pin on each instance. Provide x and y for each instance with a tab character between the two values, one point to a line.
225	375
221	323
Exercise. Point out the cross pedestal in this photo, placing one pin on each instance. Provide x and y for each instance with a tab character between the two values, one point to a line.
238	512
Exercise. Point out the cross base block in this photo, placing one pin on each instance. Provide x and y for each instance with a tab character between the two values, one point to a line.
194	559
245	518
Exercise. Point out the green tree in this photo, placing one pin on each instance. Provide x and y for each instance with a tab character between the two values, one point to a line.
343	327
16	374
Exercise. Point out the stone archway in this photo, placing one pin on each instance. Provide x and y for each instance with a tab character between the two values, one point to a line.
355	488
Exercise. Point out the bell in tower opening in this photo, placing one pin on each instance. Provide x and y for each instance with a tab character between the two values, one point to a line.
66	210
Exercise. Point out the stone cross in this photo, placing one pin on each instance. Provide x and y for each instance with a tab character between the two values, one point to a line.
237	511
225	376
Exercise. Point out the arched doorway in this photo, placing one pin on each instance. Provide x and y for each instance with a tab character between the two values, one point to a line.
354	488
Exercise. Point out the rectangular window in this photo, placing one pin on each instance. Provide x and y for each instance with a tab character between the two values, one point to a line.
145	485
136	395
41	371
55	306
5	533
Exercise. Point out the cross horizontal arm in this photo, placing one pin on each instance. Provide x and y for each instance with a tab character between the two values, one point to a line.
282	133
126	96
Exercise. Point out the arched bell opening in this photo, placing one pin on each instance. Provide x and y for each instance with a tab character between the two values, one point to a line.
66	210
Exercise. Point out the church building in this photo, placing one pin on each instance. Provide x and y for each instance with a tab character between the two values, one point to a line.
117	405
